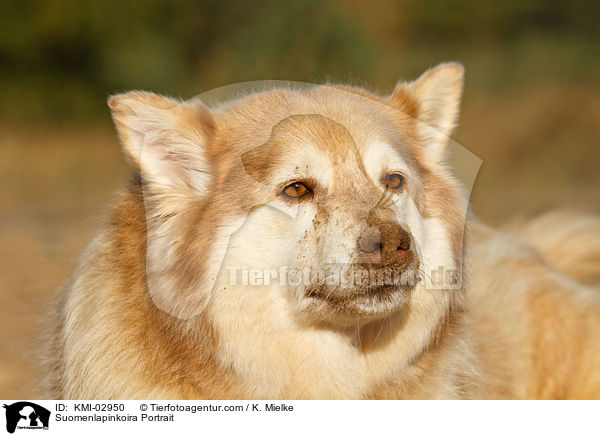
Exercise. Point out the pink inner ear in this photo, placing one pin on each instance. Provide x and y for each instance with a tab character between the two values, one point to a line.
172	156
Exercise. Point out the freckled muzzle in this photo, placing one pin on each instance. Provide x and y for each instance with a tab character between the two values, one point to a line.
378	283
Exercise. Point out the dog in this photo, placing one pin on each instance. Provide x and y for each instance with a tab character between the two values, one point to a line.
312	243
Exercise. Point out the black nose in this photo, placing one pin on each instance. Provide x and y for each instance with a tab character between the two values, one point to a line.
386	243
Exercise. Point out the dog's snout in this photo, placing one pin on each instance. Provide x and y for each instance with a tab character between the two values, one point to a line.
387	243
369	241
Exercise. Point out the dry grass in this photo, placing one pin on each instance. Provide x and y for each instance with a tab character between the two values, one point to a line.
539	146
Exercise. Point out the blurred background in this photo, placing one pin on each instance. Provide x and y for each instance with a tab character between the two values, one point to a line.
531	108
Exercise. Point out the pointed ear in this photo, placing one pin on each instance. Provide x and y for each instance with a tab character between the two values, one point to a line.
165	140
433	99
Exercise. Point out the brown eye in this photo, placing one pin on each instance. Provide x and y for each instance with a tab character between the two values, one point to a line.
394	181
295	190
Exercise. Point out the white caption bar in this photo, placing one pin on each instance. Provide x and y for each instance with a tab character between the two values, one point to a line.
42	418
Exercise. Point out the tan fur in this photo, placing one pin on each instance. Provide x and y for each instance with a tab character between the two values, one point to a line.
148	313
568	241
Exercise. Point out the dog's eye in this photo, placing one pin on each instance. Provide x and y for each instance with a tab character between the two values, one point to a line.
295	190
394	181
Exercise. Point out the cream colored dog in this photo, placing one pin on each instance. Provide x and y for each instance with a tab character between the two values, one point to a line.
311	243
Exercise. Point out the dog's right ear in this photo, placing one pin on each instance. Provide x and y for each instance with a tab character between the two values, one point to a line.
166	140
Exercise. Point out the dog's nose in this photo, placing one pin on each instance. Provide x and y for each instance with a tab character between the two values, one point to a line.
387	244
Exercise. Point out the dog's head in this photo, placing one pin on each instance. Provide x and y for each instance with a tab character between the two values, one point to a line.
330	197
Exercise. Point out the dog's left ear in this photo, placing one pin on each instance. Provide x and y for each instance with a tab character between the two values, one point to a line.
434	100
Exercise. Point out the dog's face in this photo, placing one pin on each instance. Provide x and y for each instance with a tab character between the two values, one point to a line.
333	198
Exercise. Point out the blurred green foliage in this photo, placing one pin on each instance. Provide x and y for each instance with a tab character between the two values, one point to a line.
60	59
